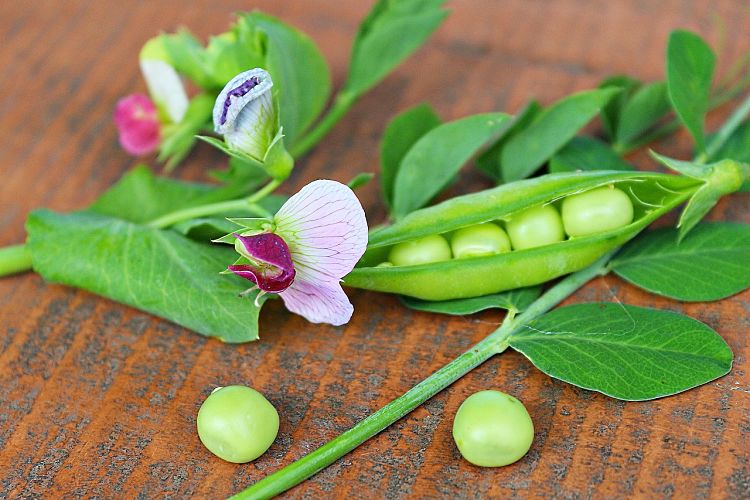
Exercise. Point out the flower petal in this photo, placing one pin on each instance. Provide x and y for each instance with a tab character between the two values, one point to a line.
326	230
270	264
137	124
320	302
166	88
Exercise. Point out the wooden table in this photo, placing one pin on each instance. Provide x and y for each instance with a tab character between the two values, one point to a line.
97	399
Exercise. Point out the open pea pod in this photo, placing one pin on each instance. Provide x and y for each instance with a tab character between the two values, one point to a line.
652	195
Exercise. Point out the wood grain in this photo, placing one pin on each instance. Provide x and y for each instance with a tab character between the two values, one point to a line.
99	400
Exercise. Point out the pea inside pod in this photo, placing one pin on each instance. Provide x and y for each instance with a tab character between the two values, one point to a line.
651	195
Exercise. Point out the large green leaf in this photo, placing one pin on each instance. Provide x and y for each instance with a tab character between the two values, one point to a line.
438	155
516	300
399	136
627	352
690	68
155	270
587	153
711	263
551	130
391	32
642	111
300	73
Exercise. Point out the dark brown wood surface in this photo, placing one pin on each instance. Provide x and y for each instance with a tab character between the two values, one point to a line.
99	400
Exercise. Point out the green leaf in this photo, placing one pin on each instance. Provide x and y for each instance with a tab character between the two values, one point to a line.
390	33
140	196
399	136
552	129
610	113
712	263
360	180
154	270
736	148
187	56
642	111
587	153
436	157
690	68
626	352
489	161
300	73
516	300
233	52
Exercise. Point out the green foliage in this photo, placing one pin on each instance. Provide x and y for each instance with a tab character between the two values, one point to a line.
399	136
516	300
625	352
550	131
153	270
587	153
690	68
712	263
390	33
649	104
438	155
610	113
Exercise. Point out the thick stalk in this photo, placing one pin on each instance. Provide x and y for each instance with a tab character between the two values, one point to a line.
340	106
14	259
494	343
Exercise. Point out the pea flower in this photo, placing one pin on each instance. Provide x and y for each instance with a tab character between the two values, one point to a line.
247	116
313	241
139	119
137	124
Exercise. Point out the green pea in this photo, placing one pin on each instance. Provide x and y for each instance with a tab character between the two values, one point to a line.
596	211
236	423
535	227
492	429
425	250
479	240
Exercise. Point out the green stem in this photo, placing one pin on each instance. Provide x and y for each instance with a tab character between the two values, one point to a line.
494	343
14	259
726	130
340	106
213	208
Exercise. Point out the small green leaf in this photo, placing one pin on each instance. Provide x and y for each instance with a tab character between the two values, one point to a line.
187	56
399	136
690	68
610	113
360	180
626	352
435	158
300	73
489	161
155	270
642	111
587	153
552	129
711	263
390	33
516	300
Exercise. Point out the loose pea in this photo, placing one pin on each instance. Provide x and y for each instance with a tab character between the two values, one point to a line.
425	250
492	429
535	227
479	240
236	423
596	211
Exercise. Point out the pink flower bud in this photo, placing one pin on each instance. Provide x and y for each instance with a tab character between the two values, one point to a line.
137	124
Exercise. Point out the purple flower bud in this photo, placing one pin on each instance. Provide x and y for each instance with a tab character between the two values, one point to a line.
270	266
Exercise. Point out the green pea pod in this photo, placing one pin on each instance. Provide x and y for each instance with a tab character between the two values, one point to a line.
653	195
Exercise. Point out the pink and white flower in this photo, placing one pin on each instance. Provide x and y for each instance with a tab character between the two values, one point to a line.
317	237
